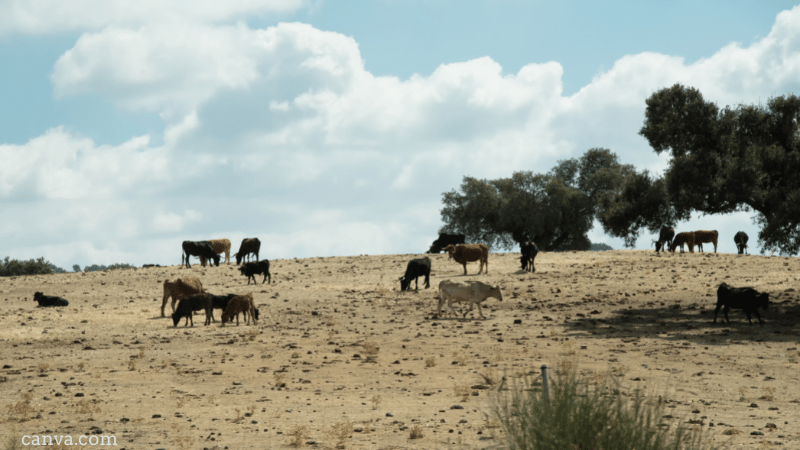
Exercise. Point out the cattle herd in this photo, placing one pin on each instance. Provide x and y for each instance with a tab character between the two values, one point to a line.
191	297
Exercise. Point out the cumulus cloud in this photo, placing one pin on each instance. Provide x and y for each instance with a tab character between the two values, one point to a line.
48	16
283	129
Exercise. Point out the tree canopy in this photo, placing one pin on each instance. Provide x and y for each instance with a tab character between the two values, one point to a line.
745	158
556	210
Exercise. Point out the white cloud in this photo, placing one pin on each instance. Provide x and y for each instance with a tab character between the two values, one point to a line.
48	16
284	130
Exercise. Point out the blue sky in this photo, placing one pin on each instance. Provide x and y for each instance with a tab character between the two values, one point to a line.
333	127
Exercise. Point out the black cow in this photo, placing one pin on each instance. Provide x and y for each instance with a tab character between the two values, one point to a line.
194	302
248	246
745	298
416	268
250	269
199	248
664	241
49	300
529	251
741	239
444	240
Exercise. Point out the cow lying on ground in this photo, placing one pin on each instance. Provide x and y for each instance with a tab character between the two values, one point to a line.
249	246
740	239
745	298
465	253
416	268
444	240
199	248
473	292
529	252
250	269
49	300
195	302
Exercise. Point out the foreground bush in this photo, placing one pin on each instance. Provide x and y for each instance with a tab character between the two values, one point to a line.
12	267
579	415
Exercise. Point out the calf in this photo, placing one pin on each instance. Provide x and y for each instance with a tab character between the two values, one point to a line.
529	252
194	302
745	298
473	292
465	253
740	239
416	268
49	300
250	269
686	237
243	304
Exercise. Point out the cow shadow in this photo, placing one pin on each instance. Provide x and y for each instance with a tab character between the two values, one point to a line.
692	323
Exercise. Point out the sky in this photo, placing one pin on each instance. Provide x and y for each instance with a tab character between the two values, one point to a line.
331	128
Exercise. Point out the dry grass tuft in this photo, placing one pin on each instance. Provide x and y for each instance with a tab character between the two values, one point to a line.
338	434
299	434
371	350
463	391
84	406
770	394
430	361
416	432
376	401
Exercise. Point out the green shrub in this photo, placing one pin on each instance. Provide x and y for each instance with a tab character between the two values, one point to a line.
95	267
12	267
581	416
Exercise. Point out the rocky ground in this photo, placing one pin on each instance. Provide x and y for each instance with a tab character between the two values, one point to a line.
341	357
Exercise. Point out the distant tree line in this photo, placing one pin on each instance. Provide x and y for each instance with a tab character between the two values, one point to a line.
555	210
726	160
96	267
13	267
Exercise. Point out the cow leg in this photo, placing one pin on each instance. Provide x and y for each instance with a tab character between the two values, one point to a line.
465	268
164	304
725	311
719	306
758	316
427	281
467	311
450	305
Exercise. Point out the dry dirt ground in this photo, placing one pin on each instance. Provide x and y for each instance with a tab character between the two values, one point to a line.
341	357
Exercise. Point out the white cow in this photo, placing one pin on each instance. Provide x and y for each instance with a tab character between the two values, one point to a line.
473	292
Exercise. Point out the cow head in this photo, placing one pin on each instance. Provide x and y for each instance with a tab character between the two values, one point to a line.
238	258
404	284
762	300
175	318
216	260
524	261
450	249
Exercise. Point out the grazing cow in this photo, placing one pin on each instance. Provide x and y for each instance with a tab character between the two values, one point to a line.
194	302
180	289
706	236
250	269
199	248
473	292
416	268
686	237
529	251
444	240
747	299
249	245
740	239
465	253
220	246
240	304
49	300
664	238
220	301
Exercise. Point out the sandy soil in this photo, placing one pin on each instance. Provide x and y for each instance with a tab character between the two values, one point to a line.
108	363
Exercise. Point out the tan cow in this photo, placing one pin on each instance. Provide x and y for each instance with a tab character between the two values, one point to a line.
473	292
220	246
464	253
180	289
